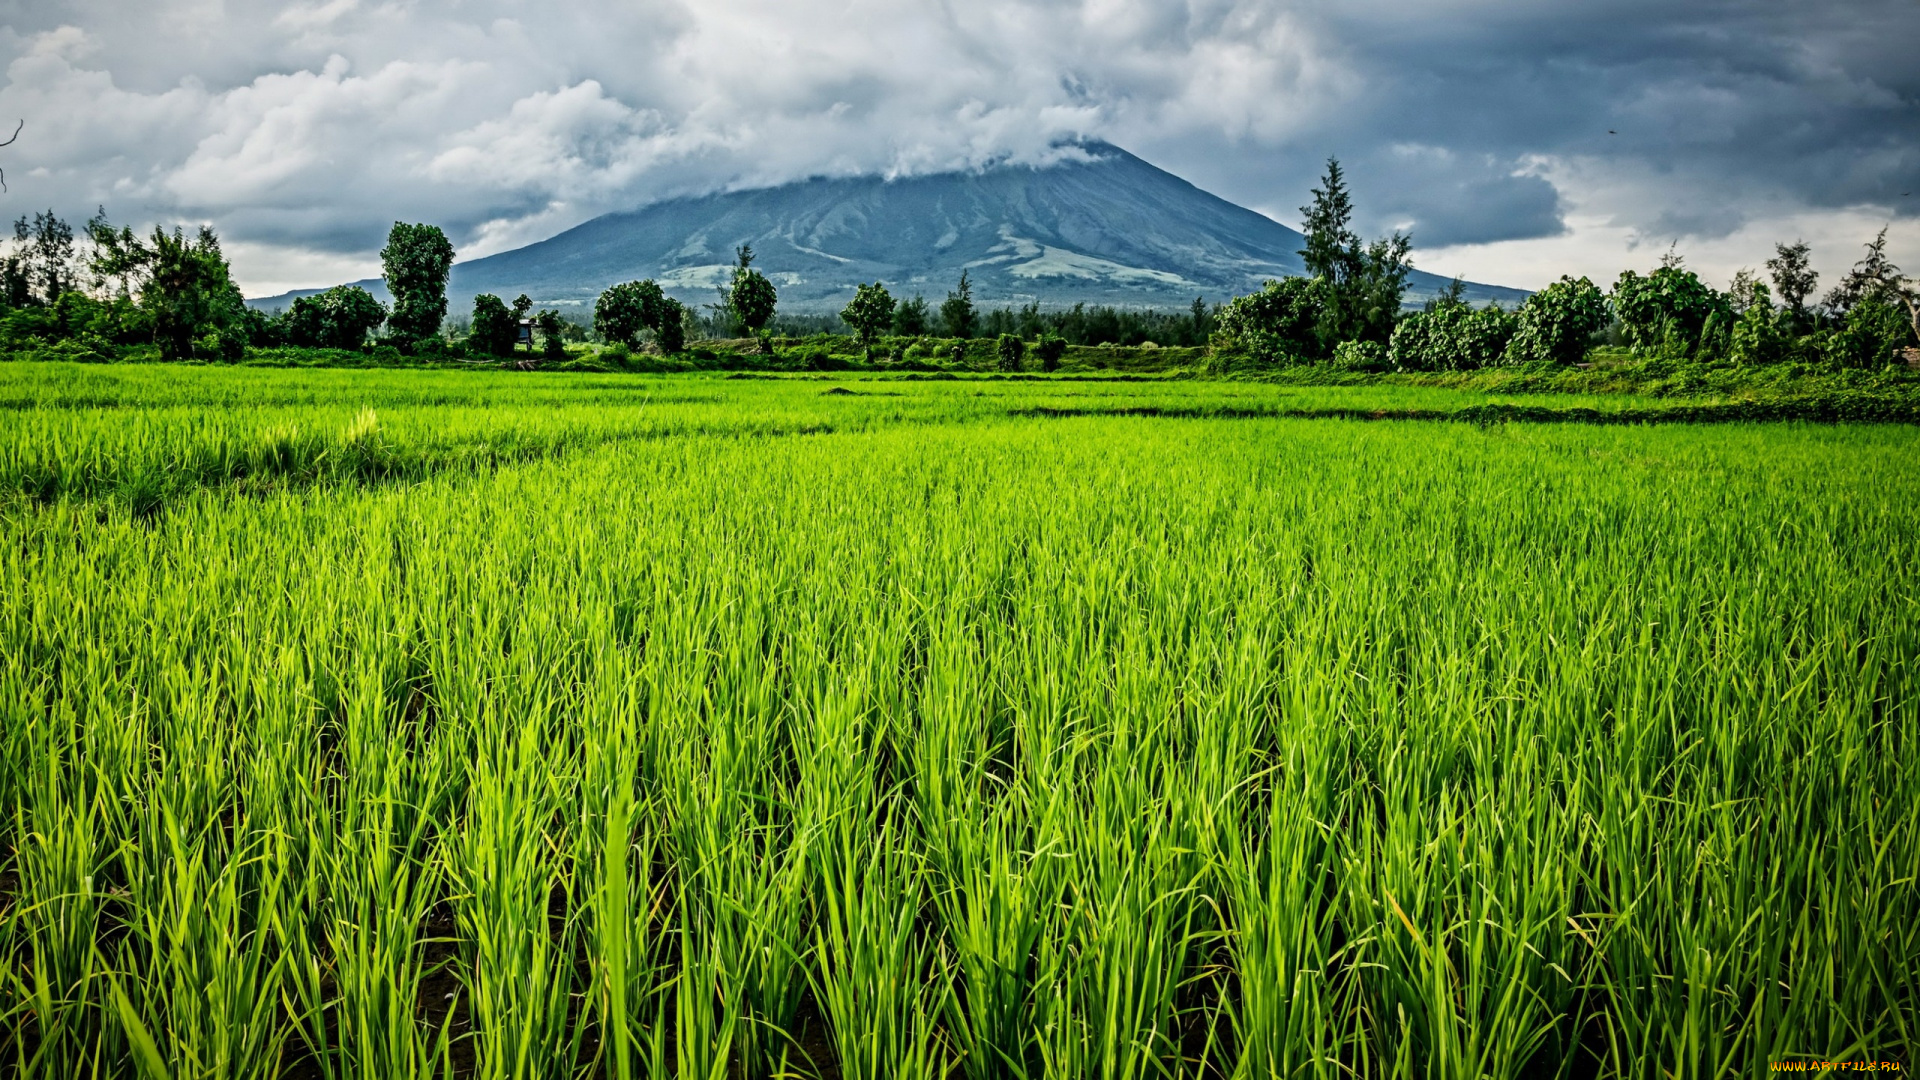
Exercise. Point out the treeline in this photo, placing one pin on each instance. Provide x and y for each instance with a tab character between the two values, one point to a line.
172	295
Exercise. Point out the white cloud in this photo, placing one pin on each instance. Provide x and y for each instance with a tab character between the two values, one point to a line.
302	130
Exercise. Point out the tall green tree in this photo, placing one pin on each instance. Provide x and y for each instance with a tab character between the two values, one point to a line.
44	248
870	313
957	316
416	262
1794	279
910	318
1365	282
749	297
552	331
1874	277
186	290
671	333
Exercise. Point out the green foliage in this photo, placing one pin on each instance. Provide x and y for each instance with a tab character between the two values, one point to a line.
1667	310
620	313
910	318
1009	351
1360	356
416	262
749	298
1049	349
494	329
1873	278
1794	278
552	334
41	267
184	287
1556	323
1756	337
1452	337
526	728
870	313
957	317
671	333
340	318
1279	324
1873	330
1364	283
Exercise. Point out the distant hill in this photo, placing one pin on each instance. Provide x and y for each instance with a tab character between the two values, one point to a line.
1114	230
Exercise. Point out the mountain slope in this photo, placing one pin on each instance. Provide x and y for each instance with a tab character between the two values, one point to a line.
1114	230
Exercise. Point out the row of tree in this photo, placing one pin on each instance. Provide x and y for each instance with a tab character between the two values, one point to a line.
176	291
1347	312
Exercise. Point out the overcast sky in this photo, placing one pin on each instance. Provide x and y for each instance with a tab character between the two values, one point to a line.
302	131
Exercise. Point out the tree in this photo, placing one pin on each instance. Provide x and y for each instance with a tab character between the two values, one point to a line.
340	318
1669	309
1365	282
552	334
1755	337
1050	348
1555	323
1278	324
494	329
910	318
1793	279
45	254
750	298
416	262
956	311
671	333
625	310
1874	277
1011	350
185	288
869	313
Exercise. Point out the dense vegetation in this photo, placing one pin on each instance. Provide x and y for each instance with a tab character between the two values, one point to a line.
480	723
170	298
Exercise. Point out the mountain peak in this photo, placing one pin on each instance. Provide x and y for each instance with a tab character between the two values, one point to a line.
1102	227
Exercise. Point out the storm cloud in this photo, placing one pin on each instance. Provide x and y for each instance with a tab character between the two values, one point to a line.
1515	141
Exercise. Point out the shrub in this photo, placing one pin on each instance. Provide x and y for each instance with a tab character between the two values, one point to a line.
1050	348
1555	324
1276	324
1010	350
1360	356
340	318
1669	309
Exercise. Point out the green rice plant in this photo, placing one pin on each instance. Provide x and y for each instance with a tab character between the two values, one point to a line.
442	724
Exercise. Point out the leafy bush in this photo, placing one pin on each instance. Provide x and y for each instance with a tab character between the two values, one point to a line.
340	318
1554	325
1360	356
1670	309
1277	324
1009	350
1452	337
1049	349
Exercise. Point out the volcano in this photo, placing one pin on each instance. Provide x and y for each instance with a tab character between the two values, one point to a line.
1102	228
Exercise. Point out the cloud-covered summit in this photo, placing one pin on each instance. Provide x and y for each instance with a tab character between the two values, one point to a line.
303	130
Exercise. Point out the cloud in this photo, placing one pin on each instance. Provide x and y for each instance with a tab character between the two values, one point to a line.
303	130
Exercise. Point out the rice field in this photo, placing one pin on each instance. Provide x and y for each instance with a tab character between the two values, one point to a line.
403	724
